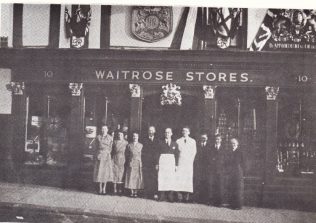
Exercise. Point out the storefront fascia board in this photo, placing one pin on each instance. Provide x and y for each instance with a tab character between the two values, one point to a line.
226	68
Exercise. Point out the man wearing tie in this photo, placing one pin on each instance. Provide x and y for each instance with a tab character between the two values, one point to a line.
201	168
150	163
217	170
167	165
184	172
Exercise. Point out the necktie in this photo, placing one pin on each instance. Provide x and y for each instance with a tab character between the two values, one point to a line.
185	141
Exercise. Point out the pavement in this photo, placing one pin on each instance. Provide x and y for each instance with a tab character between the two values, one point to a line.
24	201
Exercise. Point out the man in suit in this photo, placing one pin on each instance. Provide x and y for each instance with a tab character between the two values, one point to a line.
184	172
217	171
201	170
167	166
150	162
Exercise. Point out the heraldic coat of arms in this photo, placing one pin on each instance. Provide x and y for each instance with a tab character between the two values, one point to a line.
151	23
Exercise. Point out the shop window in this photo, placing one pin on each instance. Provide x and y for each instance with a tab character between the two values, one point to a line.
241	115
46	128
109	107
296	155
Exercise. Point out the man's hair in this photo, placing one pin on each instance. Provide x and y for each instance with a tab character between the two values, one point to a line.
217	136
151	126
186	127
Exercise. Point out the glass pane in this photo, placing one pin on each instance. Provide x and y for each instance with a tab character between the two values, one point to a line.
47	127
296	149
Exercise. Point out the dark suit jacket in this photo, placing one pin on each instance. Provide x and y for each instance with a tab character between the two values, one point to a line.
150	153
202	162
218	160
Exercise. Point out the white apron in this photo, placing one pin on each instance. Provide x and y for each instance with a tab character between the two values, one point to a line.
166	172
184	173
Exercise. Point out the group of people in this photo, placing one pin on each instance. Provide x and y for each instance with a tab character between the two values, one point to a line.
183	170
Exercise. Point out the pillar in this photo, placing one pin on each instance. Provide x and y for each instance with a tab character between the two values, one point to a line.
17	130
76	135
136	107
209	124
271	133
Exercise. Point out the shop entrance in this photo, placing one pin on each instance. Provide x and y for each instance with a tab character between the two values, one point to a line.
189	113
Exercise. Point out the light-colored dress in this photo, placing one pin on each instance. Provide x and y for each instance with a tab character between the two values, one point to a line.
184	172
119	147
134	175
103	164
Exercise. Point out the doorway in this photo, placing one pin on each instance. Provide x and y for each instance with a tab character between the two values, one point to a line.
189	113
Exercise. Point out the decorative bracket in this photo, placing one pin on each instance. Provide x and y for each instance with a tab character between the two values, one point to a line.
75	88
135	90
17	88
272	92
209	91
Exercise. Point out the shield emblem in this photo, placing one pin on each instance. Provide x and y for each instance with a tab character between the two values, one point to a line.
151	23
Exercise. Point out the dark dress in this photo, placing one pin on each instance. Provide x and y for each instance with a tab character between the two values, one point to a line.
200	175
150	156
217	171
236	182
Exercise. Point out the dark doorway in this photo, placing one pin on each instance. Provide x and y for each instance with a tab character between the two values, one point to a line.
173	116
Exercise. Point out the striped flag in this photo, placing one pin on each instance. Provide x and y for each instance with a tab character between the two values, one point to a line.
264	32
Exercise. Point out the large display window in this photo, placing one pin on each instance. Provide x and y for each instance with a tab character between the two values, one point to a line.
104	105
296	127
47	120
241	114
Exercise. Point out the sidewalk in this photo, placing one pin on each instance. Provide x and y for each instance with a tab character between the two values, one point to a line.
137	209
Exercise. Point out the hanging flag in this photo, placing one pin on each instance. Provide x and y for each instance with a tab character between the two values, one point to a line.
77	24
264	33
226	22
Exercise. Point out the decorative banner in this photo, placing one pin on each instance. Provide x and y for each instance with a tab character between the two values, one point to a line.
226	22
151	23
77	25
287	29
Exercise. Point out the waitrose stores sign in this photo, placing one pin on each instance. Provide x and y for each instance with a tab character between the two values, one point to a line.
170	76
160	76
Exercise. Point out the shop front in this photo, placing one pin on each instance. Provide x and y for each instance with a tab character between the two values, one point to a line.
62	98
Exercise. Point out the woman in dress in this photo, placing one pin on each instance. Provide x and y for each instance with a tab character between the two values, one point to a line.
236	181
134	175
118	158
103	164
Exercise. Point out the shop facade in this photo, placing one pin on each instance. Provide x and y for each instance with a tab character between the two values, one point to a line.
60	98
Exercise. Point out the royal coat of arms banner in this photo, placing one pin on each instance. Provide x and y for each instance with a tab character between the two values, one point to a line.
151	23
284	29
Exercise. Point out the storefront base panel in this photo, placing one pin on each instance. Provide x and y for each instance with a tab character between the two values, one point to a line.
290	197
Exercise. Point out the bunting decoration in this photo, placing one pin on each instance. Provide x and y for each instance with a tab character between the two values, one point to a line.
77	25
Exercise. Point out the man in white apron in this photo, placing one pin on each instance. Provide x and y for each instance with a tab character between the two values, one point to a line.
167	165
184	172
